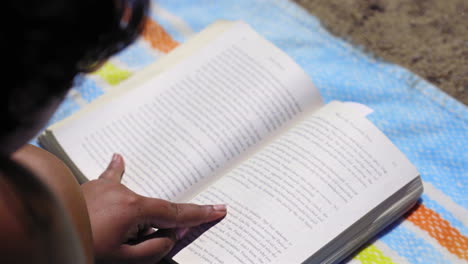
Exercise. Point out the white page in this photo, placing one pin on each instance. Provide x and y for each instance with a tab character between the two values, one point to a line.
302	190
196	119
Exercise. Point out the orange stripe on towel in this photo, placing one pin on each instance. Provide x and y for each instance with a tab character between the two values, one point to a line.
157	37
441	230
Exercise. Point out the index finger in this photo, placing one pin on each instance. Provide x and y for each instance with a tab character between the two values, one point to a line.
165	214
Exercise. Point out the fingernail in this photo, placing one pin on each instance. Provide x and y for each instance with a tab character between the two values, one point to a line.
116	160
217	211
180	233
219	207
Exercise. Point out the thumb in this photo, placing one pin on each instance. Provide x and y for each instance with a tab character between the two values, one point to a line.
115	169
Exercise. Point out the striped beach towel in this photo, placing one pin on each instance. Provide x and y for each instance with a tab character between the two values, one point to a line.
427	125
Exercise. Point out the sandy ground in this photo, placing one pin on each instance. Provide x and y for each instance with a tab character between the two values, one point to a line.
428	37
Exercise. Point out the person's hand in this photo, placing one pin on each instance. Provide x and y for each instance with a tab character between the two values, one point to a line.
123	222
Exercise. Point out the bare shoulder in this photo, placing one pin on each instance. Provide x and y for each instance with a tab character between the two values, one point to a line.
14	241
59	179
46	166
32	222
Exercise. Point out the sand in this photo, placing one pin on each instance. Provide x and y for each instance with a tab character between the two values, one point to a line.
428	37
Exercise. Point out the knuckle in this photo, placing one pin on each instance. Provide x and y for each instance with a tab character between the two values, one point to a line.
176	210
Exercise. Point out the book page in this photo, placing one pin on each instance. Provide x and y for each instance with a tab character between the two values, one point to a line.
302	190
166	62
183	127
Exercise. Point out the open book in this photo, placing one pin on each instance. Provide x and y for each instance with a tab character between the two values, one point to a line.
229	118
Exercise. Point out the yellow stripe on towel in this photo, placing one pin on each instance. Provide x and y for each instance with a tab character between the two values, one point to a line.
112	74
372	255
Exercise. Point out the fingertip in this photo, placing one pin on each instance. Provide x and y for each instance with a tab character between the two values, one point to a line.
219	207
217	211
165	214
117	160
